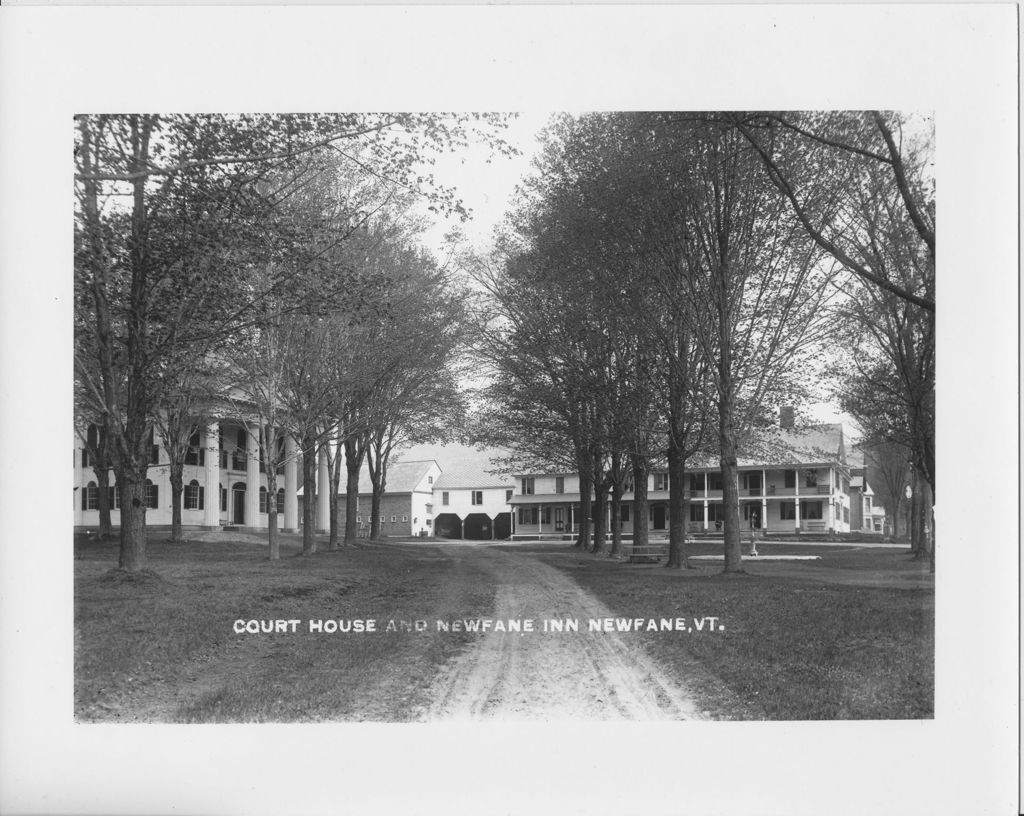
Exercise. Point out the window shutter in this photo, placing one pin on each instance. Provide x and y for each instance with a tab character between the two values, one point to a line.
202	498
156	497
85	498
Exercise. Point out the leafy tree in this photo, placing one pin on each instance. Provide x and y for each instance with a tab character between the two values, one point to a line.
171	212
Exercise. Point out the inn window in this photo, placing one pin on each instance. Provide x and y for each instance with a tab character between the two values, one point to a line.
280	500
151	495
444	497
263	499
393	519
478	497
430	480
223	499
382	519
696	512
661	481
787	511
508	496
527	485
545	515
559	484
113	498
789	478
193	496
811	510
697	483
527	515
715	481
624	513
810	478
405	518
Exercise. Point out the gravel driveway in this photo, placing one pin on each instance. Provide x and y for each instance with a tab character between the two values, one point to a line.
550	675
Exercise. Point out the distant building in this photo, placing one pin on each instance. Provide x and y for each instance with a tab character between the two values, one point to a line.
470	502
802	484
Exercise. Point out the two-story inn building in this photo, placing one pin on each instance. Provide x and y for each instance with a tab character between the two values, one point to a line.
805	488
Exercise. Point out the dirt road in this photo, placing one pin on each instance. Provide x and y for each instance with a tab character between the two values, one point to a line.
551	675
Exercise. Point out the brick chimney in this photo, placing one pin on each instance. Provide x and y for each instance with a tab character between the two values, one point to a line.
787	417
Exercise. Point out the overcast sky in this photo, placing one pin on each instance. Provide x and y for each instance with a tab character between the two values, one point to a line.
485	187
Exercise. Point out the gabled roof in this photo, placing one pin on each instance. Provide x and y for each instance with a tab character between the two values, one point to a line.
402	476
471	473
815	444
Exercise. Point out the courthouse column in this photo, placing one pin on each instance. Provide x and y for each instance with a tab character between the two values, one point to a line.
291	486
323	493
211	477
252	476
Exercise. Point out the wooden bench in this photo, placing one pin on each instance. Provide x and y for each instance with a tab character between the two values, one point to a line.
649	552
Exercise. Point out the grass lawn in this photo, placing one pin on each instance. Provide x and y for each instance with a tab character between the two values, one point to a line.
161	647
851	636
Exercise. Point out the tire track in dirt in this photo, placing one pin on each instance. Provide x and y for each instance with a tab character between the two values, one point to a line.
547	675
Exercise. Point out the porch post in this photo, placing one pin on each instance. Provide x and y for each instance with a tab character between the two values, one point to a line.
571	523
796	500
540	520
831	499
764	499
705	514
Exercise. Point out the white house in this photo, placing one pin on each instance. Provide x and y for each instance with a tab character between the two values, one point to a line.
470	502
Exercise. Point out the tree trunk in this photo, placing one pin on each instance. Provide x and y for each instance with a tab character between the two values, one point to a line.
730	498
586	489
677	556
270	447
177	470
351	501
334	467
132	489
375	514
600	508
309	495
726	406
640	509
102	471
